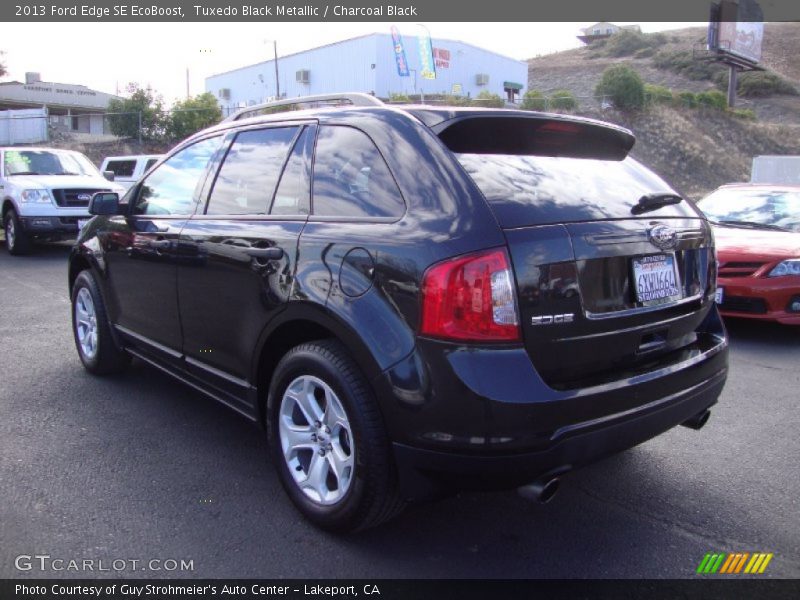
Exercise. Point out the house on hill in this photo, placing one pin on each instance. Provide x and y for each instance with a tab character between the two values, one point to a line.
602	30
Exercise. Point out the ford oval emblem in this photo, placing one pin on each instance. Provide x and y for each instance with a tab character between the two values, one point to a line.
663	236
85	197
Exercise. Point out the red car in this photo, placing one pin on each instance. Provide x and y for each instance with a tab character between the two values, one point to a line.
757	227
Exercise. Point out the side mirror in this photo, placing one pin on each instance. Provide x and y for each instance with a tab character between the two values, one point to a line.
104	203
109	175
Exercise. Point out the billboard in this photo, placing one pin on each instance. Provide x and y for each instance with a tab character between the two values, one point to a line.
736	29
742	38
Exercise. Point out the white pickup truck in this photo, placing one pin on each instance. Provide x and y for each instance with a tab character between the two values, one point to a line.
129	169
45	194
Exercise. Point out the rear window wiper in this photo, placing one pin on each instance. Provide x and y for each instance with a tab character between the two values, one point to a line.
655	201
751	225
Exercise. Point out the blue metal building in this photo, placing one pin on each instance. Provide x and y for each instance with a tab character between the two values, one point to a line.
369	64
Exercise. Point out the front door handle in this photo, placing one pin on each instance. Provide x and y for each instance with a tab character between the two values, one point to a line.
272	253
161	244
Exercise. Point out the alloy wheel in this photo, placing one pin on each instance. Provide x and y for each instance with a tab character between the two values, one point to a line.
86	323
316	440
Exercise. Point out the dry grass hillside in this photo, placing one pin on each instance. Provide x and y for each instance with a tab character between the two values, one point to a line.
694	149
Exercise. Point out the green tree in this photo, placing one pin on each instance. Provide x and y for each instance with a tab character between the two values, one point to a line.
3	70
562	100
192	115
488	99
140	101
534	100
623	86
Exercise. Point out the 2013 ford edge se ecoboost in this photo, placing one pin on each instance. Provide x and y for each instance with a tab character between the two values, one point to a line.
410	299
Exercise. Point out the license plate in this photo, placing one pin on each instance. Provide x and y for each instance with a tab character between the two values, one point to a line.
719	295
82	223
656	279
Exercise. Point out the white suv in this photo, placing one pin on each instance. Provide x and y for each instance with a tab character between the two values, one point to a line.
45	194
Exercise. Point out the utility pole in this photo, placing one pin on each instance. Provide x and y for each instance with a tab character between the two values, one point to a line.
732	72
277	81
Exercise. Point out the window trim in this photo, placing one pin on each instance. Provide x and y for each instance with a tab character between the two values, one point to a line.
136	189
230	136
314	218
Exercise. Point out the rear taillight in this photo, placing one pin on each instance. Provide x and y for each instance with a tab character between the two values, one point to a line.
471	298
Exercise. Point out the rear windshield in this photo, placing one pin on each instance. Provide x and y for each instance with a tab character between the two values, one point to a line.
538	190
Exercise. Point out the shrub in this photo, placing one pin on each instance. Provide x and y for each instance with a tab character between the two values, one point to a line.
534	100
683	63
687	100
562	100
399	98
712	99
628	42
488	99
623	86
658	94
743	113
457	100
762	83
644	53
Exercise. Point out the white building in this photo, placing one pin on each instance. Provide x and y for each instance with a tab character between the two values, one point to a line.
70	107
370	64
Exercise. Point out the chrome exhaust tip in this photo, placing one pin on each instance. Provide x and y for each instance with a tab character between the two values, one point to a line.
697	421
541	490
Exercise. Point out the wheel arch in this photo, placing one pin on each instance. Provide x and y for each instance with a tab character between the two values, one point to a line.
298	325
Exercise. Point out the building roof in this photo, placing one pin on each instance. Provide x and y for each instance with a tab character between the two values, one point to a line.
359	37
66	95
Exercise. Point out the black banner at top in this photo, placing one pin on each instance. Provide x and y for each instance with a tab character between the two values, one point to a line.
378	10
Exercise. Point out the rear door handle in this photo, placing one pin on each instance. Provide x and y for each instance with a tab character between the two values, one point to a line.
272	253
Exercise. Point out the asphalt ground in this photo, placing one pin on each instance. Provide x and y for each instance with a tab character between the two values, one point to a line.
141	467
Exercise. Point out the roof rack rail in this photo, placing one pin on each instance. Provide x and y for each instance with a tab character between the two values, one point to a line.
302	102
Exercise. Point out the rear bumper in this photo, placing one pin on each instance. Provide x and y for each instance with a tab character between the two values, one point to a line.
483	418
423	472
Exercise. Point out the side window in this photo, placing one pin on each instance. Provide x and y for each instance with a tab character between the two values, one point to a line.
170	189
121	168
150	162
248	176
351	178
294	190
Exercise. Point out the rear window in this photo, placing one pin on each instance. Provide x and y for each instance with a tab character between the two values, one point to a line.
537	190
121	168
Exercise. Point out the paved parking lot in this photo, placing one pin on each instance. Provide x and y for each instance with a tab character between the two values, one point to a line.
140	467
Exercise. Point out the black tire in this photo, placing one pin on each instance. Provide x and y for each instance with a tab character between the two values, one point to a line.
372	495
108	357
18	242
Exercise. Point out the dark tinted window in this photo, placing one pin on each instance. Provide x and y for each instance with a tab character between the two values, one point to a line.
351	178
150	163
170	189
121	168
293	196
532	190
247	178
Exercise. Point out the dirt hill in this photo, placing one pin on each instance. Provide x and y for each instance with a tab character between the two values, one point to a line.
695	150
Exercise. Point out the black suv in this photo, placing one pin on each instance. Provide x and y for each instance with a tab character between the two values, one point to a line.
410	299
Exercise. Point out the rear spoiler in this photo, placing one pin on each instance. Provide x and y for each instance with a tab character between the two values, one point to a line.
520	133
